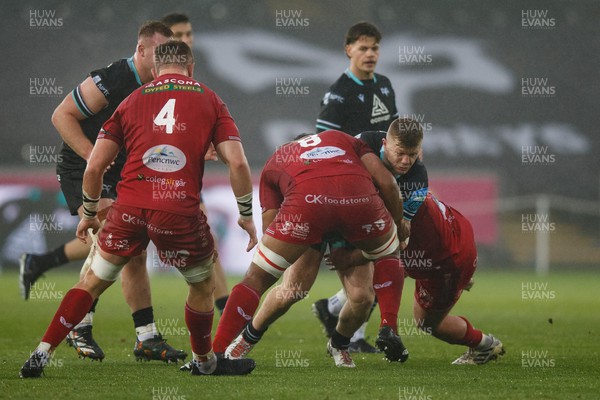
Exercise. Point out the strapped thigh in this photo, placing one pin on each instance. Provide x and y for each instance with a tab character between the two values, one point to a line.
389	247
269	261
199	272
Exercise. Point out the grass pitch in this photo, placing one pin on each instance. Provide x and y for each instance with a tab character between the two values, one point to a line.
549	327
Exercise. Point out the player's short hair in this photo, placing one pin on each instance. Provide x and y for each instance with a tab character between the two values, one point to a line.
362	28
406	131
175	18
172	52
149	28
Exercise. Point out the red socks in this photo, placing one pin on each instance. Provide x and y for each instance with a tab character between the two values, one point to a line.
72	309
472	336
388	281
200	326
241	306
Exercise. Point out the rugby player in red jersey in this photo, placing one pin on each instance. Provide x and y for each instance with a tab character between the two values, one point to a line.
166	127
181	27
78	120
387	274
441	254
319	185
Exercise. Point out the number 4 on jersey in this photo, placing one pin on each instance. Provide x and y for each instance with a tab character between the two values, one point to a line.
166	116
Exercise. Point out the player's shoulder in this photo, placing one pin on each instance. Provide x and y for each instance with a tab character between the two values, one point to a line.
384	84
115	70
342	91
115	78
382	79
372	138
345	85
369	135
337	92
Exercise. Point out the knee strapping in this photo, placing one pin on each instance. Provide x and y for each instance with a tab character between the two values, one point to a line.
389	247
200	272
104	269
269	261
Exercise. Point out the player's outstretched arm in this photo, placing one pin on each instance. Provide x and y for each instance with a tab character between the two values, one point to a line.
67	116
232	154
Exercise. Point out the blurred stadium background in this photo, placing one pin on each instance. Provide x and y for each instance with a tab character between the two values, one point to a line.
507	92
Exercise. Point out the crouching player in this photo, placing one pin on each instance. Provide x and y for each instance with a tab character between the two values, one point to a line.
388	274
153	125
440	255
312	187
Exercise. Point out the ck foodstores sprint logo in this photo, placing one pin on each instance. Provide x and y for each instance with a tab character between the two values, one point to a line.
44	19
537	19
336	201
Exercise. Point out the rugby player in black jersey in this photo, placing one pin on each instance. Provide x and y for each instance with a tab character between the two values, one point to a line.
78	120
360	100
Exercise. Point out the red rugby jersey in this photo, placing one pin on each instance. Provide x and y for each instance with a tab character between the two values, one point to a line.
329	153
166	127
